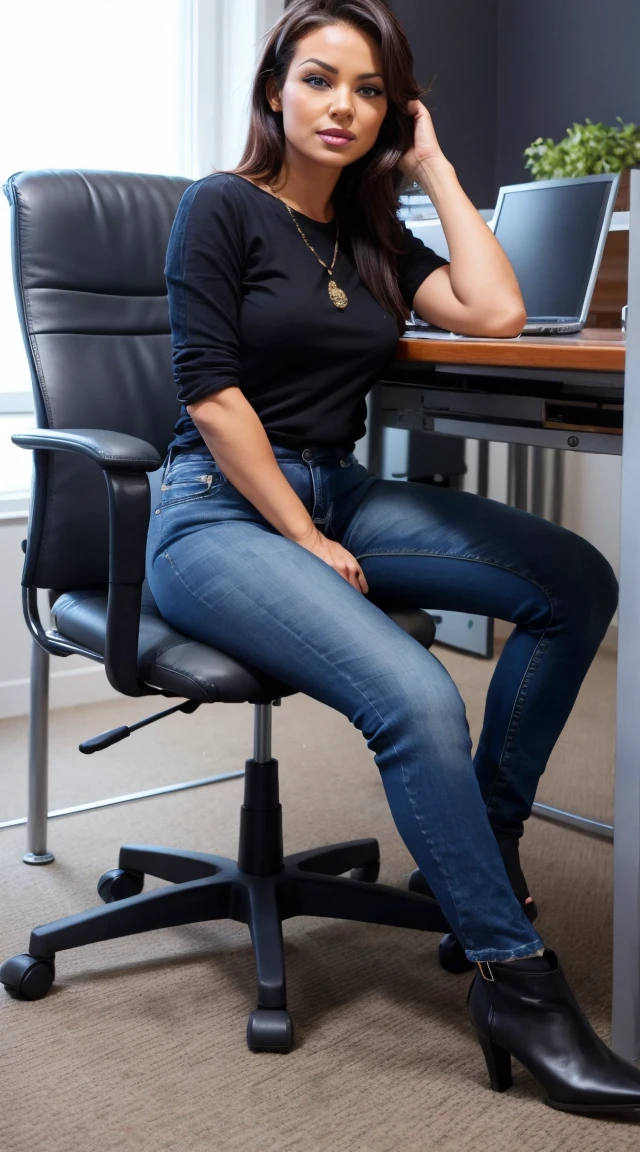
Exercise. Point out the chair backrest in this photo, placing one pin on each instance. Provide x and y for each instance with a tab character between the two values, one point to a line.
88	253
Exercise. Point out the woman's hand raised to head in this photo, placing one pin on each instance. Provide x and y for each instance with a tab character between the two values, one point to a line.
336	557
425	143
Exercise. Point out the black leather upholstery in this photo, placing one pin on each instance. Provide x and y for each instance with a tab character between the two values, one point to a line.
89	253
113	450
166	659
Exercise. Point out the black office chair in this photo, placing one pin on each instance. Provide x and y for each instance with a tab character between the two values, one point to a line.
88	257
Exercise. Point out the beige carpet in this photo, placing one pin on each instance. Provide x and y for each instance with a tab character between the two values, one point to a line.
141	1043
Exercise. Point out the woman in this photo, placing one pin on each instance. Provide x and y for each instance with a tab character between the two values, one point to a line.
270	536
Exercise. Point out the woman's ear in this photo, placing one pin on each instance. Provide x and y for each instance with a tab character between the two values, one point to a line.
273	96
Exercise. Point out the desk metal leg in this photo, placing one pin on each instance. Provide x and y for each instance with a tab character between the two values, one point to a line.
538	474
482	487
38	760
557	486
517	478
626	844
375	428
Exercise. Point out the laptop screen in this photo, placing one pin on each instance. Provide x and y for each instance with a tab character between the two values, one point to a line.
550	235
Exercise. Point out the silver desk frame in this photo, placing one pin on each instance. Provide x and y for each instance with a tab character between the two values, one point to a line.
399	405
626	844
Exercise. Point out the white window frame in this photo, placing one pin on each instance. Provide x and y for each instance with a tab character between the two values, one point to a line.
221	46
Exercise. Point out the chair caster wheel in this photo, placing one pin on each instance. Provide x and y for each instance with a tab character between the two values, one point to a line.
417	883
270	1030
452	955
119	885
368	873
27	977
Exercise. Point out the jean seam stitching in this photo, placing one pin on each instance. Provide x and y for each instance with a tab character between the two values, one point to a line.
452	556
318	496
431	847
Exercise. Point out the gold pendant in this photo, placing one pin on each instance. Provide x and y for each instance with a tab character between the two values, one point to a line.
337	296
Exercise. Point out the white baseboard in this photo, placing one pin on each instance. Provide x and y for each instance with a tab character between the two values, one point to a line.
503	630
66	689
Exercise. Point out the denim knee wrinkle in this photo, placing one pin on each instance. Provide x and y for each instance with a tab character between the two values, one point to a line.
221	573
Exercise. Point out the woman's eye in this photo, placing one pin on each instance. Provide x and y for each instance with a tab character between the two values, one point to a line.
369	87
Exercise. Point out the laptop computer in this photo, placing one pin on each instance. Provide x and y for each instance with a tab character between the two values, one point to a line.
554	233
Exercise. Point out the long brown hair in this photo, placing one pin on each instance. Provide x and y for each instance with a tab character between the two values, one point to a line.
366	196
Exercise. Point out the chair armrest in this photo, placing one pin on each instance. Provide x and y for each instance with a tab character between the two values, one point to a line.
129	510
110	450
125	461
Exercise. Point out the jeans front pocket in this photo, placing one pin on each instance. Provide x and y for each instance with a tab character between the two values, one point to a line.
190	478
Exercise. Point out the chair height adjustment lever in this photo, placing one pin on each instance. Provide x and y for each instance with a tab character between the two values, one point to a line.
105	739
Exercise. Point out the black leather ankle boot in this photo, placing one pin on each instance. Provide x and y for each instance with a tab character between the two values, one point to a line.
527	1010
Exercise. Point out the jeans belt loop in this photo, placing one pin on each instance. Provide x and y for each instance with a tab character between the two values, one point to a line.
482	965
168	463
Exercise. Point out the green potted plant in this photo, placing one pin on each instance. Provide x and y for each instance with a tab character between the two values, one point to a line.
586	150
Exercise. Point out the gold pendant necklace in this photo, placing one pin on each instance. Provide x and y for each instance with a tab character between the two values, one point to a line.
336	295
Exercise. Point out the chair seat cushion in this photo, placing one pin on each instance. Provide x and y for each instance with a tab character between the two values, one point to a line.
176	664
166	658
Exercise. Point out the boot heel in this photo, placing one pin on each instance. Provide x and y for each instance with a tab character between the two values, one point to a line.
498	1064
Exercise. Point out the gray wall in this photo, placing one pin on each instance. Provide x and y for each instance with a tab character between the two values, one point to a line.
560	61
455	44
508	71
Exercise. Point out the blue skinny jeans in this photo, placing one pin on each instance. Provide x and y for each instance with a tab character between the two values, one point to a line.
221	573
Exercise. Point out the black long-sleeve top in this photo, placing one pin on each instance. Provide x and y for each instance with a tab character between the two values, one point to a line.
249	306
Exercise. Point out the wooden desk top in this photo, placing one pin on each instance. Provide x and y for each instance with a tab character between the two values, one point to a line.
592	349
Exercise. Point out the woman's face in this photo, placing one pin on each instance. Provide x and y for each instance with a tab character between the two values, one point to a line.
339	92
